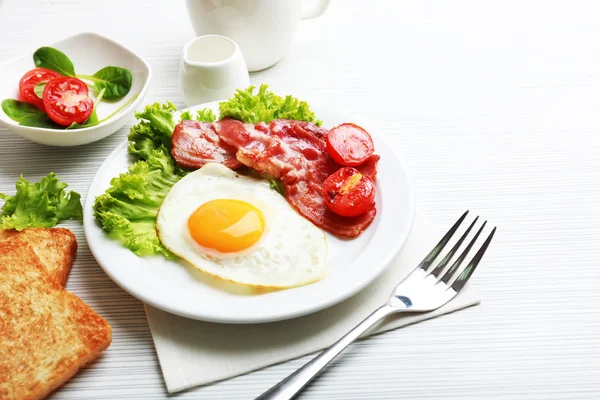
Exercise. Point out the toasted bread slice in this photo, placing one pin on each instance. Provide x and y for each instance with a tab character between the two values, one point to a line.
46	333
55	247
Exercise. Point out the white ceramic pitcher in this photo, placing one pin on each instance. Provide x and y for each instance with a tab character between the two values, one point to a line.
264	29
212	68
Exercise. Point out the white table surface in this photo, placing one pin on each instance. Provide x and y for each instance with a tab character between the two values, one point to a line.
494	106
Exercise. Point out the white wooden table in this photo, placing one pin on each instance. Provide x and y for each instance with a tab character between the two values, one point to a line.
494	106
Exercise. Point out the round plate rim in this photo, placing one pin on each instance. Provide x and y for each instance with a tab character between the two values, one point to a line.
90	223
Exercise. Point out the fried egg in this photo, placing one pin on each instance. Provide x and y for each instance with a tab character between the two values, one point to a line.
239	229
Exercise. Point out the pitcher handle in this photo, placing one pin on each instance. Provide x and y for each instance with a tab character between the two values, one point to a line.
316	11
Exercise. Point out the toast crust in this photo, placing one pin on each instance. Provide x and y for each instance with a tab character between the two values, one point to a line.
46	333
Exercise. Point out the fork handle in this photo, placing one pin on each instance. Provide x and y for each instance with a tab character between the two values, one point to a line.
293	384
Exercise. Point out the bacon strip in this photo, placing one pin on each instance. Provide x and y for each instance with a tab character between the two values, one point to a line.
283	127
369	167
295	153
196	143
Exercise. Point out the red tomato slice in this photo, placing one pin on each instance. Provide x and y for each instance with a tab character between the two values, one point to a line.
67	101
28	82
349	193
349	145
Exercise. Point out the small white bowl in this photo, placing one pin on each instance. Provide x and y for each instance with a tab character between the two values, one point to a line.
89	53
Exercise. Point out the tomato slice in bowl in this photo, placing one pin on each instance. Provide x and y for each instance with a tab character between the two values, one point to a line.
349	145
30	80
349	193
66	101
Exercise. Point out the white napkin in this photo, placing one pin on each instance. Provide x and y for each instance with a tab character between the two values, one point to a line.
195	353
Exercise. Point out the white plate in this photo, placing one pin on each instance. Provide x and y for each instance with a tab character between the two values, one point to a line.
89	52
179	288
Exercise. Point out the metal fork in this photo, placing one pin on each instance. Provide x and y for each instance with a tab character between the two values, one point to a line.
423	290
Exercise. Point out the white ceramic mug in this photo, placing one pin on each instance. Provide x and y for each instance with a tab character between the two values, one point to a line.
264	29
212	67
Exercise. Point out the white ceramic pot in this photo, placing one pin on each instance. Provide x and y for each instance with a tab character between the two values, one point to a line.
212	67
264	29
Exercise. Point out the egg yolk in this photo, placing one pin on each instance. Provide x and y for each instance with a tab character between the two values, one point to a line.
226	225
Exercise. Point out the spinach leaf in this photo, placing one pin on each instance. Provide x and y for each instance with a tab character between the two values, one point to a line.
18	110
27	114
91	121
39	89
56	60
116	80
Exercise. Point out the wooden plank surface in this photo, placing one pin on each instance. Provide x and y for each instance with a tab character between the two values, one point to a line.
494	106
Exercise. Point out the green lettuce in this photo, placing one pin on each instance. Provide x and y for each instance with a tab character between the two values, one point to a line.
127	210
39	205
185	116
265	106
203	115
153	132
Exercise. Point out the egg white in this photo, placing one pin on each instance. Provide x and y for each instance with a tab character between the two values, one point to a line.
291	252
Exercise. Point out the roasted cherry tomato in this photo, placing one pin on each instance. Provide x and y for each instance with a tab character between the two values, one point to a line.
349	193
28	82
349	145
66	101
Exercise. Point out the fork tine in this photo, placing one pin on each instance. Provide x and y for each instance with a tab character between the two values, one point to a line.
464	276
426	263
448	275
440	267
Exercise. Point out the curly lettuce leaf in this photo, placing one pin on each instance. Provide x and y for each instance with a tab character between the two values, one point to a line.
153	132
205	115
265	106
185	116
144	140
39	205
160	116
127	210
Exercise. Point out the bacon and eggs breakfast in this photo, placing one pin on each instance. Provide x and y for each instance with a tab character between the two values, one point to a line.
206	184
